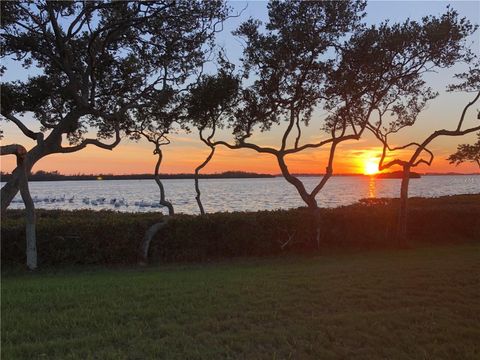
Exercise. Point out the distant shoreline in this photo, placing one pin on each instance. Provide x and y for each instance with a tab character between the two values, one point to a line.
54	176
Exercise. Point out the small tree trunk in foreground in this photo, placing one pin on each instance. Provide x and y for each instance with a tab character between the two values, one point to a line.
147	239
403	211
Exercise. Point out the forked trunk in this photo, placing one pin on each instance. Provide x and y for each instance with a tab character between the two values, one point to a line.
403	210
18	182
309	199
11	188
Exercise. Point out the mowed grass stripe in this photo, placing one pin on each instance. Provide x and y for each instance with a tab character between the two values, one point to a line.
415	304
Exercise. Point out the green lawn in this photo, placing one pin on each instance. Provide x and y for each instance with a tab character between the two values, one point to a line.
413	304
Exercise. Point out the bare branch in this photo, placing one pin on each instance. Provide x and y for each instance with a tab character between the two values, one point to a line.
462	117
94	142
25	130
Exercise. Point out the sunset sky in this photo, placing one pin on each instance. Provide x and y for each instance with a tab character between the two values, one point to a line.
186	151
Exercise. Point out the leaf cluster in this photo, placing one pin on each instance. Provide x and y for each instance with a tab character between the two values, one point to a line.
105	61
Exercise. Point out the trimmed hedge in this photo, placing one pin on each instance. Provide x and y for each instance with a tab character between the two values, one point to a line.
107	237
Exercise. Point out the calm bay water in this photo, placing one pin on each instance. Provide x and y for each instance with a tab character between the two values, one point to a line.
233	194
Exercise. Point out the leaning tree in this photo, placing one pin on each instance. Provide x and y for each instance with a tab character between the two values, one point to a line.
98	63
421	154
318	57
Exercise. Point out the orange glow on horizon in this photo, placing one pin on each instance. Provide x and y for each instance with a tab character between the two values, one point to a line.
183	155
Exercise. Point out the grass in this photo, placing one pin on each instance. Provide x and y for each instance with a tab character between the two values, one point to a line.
414	304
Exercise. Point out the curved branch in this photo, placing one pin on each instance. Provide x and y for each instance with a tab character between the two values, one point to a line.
14	149
321	143
291	123
328	170
163	201
462	117
438	133
95	142
197	186
31	242
403	147
299	132
25	130
244	145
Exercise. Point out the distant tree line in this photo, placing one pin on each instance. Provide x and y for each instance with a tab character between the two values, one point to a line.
129	69
56	176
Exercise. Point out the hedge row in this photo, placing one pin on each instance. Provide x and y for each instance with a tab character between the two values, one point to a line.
107	237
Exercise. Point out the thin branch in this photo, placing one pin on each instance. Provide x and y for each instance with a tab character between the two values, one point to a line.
462	117
25	130
299	131
94	142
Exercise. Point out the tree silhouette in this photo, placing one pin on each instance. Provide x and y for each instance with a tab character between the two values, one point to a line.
467	153
318	57
471	83
209	106
30	229
100	62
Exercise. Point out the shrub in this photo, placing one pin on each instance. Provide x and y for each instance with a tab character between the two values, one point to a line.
108	237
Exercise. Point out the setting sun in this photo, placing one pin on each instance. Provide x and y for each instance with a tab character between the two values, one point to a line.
371	167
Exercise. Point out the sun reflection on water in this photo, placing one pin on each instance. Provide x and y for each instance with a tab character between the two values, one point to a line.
372	190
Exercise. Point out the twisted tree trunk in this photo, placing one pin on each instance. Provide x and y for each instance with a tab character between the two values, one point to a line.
21	183
155	228
197	186
12	187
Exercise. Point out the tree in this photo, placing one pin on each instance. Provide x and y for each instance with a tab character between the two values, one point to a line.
157	122
31	239
466	152
163	117
316	57
100	61
471	84
288	65
158	140
209	106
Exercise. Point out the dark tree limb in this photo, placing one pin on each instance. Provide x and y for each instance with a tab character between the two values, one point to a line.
159	140
25	130
201	166
94	142
31	242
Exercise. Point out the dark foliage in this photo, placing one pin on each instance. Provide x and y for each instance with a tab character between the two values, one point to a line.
467	153
105	237
103	66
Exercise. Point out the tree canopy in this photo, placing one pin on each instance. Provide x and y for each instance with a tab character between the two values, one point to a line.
314	58
101	63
